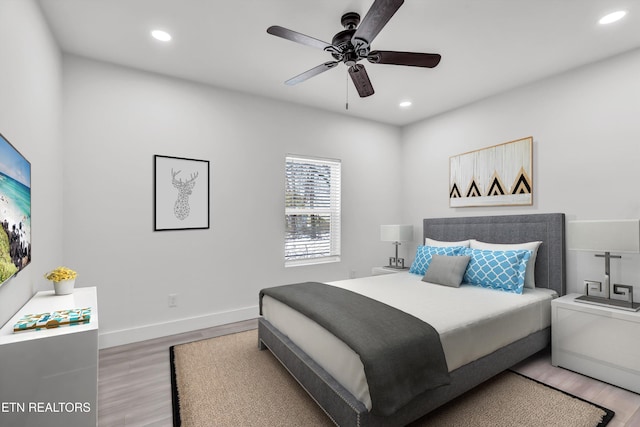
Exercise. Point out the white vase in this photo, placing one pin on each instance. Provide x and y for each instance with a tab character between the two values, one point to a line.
64	287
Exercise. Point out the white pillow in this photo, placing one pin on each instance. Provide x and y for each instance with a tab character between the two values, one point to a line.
529	278
439	243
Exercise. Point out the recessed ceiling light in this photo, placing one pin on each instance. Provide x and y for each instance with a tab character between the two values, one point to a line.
612	17
163	36
405	104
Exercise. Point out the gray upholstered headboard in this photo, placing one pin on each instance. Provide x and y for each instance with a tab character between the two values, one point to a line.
548	228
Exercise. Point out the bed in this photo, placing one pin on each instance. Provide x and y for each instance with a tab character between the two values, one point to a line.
342	394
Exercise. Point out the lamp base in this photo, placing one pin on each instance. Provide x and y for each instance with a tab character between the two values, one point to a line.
396	263
608	302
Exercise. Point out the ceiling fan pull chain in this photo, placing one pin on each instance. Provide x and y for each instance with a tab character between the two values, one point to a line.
347	92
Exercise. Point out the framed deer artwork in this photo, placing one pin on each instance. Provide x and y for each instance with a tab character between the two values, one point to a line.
181	193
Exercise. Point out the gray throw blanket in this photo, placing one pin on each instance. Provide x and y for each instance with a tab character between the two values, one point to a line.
401	354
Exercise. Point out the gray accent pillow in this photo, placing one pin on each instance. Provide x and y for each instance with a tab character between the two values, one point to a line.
447	270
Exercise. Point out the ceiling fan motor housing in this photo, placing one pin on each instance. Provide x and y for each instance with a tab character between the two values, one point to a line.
342	40
346	52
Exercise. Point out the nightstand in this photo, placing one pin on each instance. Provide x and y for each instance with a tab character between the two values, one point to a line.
600	342
378	271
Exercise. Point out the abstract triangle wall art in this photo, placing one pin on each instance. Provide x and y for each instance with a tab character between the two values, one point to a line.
500	175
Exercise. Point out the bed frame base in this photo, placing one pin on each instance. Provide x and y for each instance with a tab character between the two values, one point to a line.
345	410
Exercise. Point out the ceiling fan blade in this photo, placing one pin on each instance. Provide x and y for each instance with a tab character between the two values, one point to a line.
294	36
361	80
310	73
375	19
428	60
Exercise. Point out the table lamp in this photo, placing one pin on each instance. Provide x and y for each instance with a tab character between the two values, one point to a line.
607	236
396	234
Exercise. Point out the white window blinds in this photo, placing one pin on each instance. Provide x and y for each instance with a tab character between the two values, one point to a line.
312	210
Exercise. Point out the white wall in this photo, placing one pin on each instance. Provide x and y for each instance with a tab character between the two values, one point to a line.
116	119
30	86
586	136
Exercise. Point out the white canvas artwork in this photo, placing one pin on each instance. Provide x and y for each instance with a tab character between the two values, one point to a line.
499	175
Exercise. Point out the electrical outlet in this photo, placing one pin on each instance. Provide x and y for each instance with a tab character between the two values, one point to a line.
173	300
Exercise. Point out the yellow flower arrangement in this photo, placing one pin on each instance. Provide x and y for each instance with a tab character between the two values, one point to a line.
61	273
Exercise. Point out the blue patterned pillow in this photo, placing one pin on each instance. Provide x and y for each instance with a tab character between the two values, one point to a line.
425	253
501	270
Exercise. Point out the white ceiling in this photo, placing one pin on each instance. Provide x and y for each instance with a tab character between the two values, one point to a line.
487	46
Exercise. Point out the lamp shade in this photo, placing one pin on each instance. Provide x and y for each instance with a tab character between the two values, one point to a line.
396	233
604	236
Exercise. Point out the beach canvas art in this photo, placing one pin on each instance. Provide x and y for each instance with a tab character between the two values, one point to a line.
15	210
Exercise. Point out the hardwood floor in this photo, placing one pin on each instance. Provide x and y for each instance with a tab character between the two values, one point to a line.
134	388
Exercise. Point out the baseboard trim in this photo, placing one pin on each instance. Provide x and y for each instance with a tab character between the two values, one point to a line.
158	330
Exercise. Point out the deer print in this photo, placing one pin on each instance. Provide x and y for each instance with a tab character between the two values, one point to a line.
181	209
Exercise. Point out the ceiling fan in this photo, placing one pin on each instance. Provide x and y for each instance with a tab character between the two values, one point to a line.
354	44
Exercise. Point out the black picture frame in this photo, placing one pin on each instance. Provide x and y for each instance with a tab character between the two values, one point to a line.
181	189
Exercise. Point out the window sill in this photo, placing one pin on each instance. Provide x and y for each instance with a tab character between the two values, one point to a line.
312	261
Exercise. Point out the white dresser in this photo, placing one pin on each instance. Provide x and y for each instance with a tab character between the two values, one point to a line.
50	377
601	342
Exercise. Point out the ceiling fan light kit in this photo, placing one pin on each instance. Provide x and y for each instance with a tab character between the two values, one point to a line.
353	44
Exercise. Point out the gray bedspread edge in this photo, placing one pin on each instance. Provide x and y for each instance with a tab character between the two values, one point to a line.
401	354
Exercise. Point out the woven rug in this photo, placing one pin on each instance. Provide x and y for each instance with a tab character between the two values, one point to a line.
227	381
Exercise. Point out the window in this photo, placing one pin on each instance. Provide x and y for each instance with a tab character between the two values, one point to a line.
312	211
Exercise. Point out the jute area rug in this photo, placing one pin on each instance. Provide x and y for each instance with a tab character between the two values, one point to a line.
227	381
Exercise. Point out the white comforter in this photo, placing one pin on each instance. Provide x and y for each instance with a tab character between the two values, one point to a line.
472	322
